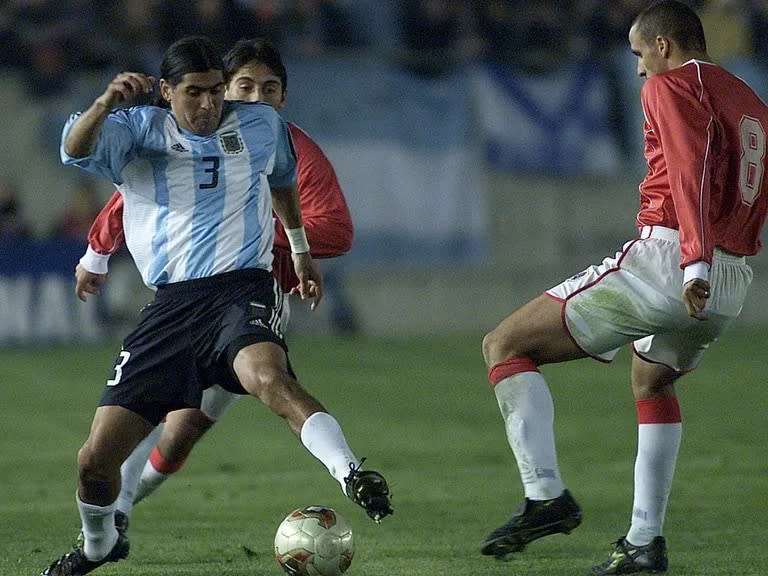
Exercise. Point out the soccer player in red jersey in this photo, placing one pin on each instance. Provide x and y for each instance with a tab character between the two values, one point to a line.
256	73
670	292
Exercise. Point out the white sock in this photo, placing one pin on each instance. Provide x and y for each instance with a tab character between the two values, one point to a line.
131	470
323	437
528	411
149	482
98	528
657	449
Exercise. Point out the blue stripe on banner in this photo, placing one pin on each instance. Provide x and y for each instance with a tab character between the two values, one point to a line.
514	87
565	115
37	258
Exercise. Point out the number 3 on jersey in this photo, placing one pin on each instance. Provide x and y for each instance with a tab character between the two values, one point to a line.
752	157
121	361
212	171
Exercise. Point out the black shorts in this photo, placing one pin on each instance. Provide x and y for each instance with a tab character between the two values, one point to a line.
187	339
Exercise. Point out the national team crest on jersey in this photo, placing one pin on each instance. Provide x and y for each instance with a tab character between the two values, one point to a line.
231	142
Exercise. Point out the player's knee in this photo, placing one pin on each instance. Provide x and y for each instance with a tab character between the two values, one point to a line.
93	467
494	349
506	341
487	345
268	382
643	389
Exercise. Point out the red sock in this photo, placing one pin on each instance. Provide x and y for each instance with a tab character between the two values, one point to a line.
510	367
162	465
658	410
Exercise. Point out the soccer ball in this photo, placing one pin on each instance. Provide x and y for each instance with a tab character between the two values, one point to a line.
314	541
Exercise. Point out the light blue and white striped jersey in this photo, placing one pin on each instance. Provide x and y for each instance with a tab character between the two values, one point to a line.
194	205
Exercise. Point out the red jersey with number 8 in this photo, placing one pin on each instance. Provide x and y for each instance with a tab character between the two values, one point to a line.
705	144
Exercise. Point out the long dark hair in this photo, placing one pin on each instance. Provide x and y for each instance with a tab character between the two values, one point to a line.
186	55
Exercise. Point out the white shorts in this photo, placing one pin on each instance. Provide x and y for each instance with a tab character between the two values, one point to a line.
636	297
216	401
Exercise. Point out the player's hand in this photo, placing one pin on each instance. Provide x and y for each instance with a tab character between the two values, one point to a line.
310	280
87	282
695	296
125	87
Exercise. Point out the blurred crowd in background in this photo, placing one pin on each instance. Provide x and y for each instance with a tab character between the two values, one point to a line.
390	87
50	43
52	40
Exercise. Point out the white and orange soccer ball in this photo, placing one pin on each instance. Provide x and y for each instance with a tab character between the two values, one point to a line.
314	541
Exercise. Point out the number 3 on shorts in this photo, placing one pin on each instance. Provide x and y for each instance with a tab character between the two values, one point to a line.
124	356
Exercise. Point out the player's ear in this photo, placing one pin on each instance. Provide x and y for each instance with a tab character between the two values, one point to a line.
165	90
663	46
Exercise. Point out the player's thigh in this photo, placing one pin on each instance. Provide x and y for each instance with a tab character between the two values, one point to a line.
249	347
535	331
611	304
260	365
157	369
681	349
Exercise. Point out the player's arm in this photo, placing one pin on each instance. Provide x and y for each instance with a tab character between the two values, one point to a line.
324	210
105	237
686	131
285	203
83	133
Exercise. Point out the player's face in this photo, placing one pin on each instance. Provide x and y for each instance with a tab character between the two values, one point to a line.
650	58
255	82
197	100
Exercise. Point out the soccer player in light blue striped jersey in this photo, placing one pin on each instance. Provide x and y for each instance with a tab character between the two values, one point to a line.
199	177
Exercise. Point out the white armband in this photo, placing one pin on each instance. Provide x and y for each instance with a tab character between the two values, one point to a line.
696	270
94	262
297	238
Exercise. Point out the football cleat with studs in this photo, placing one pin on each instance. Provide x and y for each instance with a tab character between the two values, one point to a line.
368	489
75	563
630	559
535	519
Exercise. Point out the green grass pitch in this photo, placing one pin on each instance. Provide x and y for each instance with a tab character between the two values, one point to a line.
423	414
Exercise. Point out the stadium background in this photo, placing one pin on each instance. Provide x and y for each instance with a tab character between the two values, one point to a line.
482	164
478	172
